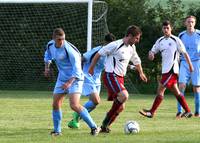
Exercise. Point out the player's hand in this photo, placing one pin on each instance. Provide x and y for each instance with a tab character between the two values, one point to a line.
151	56
91	71
68	83
143	77
191	68
47	72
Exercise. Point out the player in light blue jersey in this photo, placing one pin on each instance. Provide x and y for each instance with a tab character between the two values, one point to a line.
191	39
69	81
92	84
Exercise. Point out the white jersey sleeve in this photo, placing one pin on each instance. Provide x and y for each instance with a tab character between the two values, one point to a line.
181	47
156	47
135	59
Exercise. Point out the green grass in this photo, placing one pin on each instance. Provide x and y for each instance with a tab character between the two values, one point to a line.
25	117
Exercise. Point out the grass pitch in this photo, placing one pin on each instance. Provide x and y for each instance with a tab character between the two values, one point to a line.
25	117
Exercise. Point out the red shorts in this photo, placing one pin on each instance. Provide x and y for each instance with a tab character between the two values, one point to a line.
114	84
169	79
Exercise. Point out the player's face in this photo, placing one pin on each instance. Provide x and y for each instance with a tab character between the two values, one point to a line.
167	30
59	41
134	39
190	23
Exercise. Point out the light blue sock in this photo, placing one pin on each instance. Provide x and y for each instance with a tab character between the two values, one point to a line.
179	107
89	105
84	114
197	102
57	117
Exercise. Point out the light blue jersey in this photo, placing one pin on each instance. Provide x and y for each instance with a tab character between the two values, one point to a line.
92	83
68	62
192	44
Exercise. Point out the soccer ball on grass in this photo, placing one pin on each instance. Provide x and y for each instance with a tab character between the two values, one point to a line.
131	127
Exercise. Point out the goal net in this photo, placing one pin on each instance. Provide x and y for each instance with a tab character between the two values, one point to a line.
27	27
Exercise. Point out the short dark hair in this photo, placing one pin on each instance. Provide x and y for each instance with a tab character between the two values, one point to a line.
166	23
133	30
58	32
109	37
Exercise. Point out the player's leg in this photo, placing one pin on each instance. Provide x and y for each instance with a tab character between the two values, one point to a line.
157	101
184	77
94	99
181	99
182	87
196	90
92	92
116	109
74	99
195	77
116	93
57	113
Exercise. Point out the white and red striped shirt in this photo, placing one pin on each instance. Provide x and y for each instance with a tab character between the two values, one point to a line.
118	56
170	49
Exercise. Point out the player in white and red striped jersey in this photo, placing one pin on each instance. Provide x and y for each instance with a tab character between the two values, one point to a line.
170	47
118	53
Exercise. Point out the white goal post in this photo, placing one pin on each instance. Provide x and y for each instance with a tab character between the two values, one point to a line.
90	4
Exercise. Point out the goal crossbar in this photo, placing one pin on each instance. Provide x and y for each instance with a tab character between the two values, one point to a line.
90	5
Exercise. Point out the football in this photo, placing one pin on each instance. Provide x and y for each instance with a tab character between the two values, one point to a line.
131	127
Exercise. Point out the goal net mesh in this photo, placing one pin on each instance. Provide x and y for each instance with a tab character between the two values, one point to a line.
26	29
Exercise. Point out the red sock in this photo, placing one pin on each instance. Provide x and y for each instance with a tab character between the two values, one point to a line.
115	107
156	103
182	101
113	118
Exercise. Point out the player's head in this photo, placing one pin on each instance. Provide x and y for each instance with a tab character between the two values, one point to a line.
167	28
59	37
109	38
133	33
190	22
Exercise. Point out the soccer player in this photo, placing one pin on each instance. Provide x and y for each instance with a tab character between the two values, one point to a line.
191	40
118	53
92	84
69	80
169	46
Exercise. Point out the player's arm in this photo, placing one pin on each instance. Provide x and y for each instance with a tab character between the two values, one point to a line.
93	63
47	62
141	73
135	59
187	58
182	50
153	51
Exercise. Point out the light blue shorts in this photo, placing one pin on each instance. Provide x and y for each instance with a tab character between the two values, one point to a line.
89	88
76	87
185	76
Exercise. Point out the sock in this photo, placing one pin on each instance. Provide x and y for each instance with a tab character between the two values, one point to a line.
75	116
197	102
182	101
84	114
89	105
57	117
179	107
115	107
113	118
156	103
